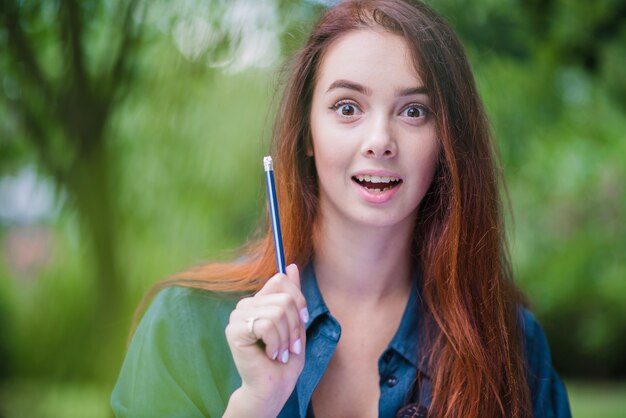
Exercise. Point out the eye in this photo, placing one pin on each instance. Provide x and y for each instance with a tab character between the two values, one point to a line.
415	111
346	108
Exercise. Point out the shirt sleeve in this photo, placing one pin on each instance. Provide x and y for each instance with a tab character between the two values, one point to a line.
547	391
178	363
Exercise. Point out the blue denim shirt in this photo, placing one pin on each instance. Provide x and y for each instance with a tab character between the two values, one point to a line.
398	364
179	364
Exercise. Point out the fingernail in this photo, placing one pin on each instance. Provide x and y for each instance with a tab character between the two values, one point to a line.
284	358
275	355
304	315
297	346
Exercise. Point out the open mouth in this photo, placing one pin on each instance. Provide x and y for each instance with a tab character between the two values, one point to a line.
377	184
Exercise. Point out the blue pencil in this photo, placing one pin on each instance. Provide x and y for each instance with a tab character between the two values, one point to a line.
273	202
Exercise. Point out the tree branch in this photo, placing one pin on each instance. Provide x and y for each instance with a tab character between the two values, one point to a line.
37	135
19	45
119	70
72	33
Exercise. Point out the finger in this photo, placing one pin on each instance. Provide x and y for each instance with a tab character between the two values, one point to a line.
291	312
292	338
238	331
273	285
289	284
265	331
293	275
276	317
270	327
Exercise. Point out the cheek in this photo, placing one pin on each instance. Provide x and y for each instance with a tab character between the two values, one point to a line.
332	159
430	164
425	157
328	159
331	148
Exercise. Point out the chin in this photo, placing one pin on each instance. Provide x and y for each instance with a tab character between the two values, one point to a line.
379	219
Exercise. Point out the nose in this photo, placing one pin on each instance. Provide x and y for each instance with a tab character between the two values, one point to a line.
379	141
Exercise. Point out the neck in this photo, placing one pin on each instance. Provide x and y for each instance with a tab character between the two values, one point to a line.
364	263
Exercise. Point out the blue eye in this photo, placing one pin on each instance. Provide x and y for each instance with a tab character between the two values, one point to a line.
414	111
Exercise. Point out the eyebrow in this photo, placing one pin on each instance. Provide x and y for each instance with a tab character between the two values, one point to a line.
345	84
411	91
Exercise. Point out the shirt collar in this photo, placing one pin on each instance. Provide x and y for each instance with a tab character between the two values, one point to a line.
314	300
406	339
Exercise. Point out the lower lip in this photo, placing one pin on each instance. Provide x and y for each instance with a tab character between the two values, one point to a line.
377	197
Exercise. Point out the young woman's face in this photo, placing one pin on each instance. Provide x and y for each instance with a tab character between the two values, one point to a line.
374	139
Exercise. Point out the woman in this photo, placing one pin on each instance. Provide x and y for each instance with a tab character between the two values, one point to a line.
389	203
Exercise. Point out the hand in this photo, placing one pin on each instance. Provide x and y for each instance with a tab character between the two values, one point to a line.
267	338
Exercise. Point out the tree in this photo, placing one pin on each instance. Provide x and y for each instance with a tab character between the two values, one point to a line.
66	64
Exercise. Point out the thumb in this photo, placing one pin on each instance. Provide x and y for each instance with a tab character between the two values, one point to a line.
293	274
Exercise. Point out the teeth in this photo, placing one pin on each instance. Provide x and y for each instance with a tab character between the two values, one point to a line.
377	190
377	179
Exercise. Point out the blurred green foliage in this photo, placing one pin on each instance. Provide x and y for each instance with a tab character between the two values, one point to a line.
183	137
599	399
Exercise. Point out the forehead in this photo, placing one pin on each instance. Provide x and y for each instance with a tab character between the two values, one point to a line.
369	55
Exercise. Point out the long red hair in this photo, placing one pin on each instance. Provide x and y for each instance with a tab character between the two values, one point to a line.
473	341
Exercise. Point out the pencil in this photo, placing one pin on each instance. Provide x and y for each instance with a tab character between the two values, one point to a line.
273	203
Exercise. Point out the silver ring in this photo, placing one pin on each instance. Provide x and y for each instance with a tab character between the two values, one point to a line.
250	324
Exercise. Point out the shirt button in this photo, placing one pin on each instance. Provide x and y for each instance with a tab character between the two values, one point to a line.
392	381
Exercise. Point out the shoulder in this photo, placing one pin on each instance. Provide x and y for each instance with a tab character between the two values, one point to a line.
547	391
181	315
186	306
183	322
178	359
535	341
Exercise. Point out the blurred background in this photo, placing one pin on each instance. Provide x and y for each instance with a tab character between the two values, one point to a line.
131	136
